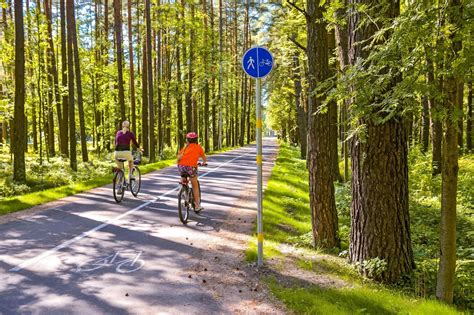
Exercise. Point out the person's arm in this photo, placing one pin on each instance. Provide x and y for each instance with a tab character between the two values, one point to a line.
203	156
134	140
117	135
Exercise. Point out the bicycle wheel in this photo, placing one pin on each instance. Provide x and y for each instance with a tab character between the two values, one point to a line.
183	205
119	185
136	183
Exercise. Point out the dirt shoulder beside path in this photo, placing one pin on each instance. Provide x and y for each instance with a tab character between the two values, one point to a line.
227	276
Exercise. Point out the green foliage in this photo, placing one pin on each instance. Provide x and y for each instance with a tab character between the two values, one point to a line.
304	298
287	221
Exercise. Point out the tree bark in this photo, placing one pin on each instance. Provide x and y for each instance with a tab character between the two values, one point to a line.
460	105
77	72
449	175
132	70
118	42
221	74
179	94
301	116
332	115
435	121
64	74
145	130
19	135
470	117
206	80
151	112
70	64
425	128
53	72
380	226
321	186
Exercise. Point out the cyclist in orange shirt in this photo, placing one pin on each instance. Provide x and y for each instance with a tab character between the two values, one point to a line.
188	158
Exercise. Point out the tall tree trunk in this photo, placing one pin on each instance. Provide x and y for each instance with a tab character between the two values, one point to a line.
70	64
206	81
77	72
300	111
425	128
53	76
145	131
379	211
435	121
460	105
151	112
19	135
470	117
192	37
132	71
64	75
332	115
340	32
118	42
159	78
179	94
449	179
321	186
221	74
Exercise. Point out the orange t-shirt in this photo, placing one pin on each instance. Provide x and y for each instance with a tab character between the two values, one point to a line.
192	153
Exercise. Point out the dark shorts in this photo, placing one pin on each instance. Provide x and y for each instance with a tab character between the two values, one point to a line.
187	171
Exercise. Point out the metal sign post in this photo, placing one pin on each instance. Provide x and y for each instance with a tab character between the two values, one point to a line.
257	63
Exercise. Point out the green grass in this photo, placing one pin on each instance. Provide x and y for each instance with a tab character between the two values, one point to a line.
18	203
287	219
314	300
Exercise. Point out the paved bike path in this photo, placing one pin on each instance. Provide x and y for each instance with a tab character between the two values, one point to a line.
87	254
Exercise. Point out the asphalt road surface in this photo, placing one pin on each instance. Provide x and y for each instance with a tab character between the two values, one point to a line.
90	255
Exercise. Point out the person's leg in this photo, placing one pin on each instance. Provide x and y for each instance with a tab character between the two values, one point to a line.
117	156
130	167
194	183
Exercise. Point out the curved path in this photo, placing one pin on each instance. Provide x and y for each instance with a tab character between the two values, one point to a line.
87	254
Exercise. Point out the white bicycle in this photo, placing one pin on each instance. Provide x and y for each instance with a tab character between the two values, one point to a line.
122	265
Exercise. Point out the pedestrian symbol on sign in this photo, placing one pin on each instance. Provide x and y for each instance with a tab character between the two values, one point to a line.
250	63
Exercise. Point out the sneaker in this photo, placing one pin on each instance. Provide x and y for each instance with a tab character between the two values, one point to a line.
198	209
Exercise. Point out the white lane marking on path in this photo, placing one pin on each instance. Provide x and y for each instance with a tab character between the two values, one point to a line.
65	244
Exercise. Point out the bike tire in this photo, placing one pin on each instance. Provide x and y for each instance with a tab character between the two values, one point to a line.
183	205
137	182
118	185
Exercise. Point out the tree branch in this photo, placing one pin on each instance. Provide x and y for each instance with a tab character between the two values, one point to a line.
297	8
292	39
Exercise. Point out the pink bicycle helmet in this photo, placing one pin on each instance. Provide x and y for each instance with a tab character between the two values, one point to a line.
191	135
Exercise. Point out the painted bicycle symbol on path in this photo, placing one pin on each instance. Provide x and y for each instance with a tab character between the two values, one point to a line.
123	261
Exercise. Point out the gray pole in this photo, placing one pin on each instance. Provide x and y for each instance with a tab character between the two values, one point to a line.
259	170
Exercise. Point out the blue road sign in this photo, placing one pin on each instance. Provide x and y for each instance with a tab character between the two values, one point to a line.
257	62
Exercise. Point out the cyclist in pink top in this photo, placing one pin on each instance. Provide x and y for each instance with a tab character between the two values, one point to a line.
123	138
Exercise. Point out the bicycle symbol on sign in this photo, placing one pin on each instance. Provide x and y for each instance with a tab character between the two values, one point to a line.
265	62
124	262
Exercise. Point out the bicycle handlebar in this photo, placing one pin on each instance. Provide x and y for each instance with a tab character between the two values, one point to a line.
202	164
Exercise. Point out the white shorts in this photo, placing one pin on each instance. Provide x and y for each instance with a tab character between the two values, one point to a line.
125	155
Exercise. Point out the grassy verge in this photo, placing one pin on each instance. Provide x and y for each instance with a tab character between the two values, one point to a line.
287	220
18	203
56	171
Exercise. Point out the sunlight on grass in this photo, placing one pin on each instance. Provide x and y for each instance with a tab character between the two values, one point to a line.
287	220
14	204
314	300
